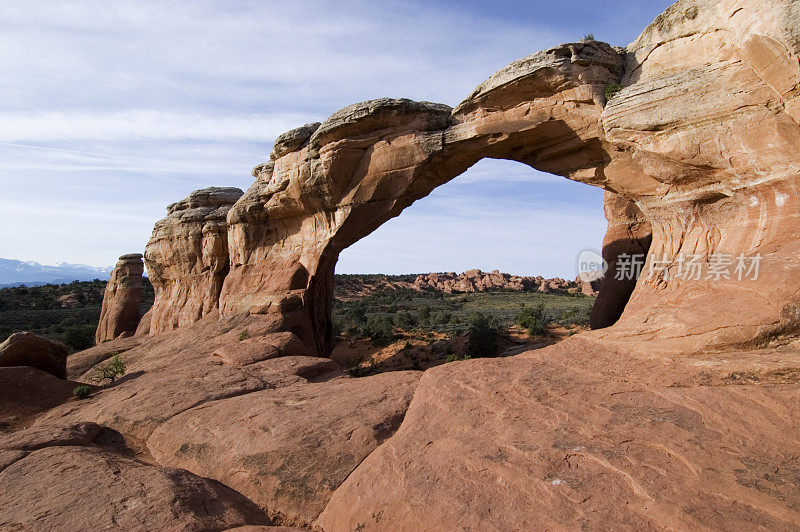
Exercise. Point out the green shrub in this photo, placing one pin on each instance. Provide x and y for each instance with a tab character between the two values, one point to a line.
244	335
110	370
611	90
424	315
534	319
379	328
82	392
79	337
589	37
483	335
404	320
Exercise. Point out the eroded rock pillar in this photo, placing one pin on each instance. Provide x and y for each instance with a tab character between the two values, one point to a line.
122	299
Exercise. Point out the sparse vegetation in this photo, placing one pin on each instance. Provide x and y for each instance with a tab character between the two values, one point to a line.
589	37
534	319
82	391
244	335
483	334
110	370
68	313
611	90
386	313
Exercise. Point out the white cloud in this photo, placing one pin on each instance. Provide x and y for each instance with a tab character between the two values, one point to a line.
142	124
119	108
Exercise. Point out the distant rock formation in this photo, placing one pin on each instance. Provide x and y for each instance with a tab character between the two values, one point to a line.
352	286
122	299
28	349
478	281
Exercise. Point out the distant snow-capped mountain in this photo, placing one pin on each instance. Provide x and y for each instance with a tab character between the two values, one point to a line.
16	272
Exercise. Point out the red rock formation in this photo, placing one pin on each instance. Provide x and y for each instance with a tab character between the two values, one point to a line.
187	258
369	161
478	281
315	436
645	424
706	171
628	234
28	349
26	392
122	299
470	281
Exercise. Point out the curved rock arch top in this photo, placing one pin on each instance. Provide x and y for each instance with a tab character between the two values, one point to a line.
699	148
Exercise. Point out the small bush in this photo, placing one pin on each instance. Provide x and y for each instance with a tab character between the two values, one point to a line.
611	90
404	320
589	37
79	337
111	370
244	335
379	328
82	392
534	319
424	315
483	334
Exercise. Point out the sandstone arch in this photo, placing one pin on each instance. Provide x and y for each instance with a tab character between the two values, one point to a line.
699	147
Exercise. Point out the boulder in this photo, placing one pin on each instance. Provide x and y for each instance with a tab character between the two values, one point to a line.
94	489
252	350
28	349
122	300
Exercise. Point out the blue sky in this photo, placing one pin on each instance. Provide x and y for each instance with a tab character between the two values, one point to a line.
112	110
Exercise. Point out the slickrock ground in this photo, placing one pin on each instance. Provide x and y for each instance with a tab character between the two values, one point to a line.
683	413
578	436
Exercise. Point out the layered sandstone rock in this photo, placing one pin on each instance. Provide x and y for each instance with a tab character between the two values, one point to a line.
706	130
697	149
28	349
122	299
187	258
369	161
627	240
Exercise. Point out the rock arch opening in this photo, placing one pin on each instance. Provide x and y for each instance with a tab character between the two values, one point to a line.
499	214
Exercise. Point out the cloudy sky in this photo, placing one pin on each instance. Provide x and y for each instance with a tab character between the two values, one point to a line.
112	110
